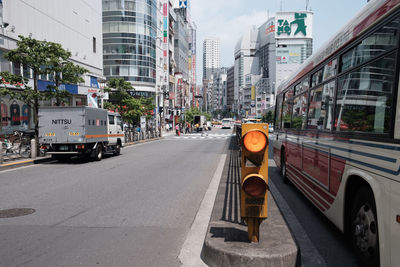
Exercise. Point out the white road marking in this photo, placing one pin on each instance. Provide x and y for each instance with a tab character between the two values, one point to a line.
191	249
19	168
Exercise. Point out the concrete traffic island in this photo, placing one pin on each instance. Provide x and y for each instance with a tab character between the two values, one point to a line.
226	242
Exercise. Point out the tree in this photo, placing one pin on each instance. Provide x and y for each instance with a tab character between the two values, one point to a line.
191	112
43	58
64	72
268	117
130	108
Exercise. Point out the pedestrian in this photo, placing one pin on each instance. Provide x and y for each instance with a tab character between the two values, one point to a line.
167	127
187	128
204	132
177	129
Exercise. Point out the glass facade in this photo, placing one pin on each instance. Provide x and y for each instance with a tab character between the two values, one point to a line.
129	39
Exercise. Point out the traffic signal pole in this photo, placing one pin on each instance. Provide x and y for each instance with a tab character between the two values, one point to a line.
253	229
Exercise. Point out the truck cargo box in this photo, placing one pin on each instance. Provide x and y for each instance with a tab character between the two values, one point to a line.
59	125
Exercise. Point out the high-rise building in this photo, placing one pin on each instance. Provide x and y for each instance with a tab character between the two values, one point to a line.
182	53
211	57
129	43
218	90
76	26
245	56
266	56
230	88
192	63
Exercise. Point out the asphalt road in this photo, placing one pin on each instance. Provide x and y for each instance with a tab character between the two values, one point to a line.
132	210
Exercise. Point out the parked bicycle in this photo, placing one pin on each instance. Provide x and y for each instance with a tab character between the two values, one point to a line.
23	142
17	145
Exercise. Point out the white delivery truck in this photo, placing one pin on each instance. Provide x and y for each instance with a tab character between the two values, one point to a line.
199	121
82	131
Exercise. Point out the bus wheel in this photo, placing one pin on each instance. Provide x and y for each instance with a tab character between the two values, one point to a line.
283	166
364	227
99	153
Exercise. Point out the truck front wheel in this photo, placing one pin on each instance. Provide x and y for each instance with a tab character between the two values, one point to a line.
98	153
117	149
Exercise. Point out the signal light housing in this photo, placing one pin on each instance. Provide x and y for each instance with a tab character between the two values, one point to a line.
254	185
254	176
255	141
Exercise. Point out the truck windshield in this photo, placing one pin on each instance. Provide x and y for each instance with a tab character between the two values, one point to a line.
119	121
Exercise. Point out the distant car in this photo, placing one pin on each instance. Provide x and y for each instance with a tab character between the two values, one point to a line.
270	128
226	123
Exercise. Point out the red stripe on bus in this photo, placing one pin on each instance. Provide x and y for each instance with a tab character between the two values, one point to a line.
305	192
373	17
317	190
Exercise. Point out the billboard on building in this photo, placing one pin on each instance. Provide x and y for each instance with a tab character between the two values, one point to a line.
293	25
183	4
288	55
270	27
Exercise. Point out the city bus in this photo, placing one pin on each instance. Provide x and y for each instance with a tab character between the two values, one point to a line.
337	132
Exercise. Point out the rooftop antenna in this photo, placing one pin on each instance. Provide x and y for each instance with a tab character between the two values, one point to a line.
307	4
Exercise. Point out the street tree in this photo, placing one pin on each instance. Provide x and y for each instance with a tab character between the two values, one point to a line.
130	108
42	57
268	117
193	111
63	72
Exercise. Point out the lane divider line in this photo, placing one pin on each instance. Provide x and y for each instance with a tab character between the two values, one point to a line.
191	249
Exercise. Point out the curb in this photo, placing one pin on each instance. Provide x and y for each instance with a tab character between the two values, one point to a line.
226	242
23	163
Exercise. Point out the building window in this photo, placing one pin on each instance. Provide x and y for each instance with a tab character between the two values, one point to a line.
94	44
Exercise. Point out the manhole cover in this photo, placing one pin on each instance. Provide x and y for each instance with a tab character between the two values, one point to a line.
15	212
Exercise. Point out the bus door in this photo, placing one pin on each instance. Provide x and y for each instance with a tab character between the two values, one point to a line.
317	151
295	155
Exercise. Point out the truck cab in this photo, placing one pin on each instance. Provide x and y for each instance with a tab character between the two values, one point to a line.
115	129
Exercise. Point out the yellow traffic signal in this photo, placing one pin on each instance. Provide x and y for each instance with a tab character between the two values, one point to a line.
254	176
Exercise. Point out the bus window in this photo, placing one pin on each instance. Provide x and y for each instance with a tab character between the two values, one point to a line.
287	109
316	78
299	111
278	113
305	85
365	98
320	112
384	39
330	69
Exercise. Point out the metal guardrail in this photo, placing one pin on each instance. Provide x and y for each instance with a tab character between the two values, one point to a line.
238	129
132	135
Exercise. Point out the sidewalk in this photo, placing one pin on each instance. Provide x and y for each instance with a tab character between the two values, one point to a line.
12	164
226	242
